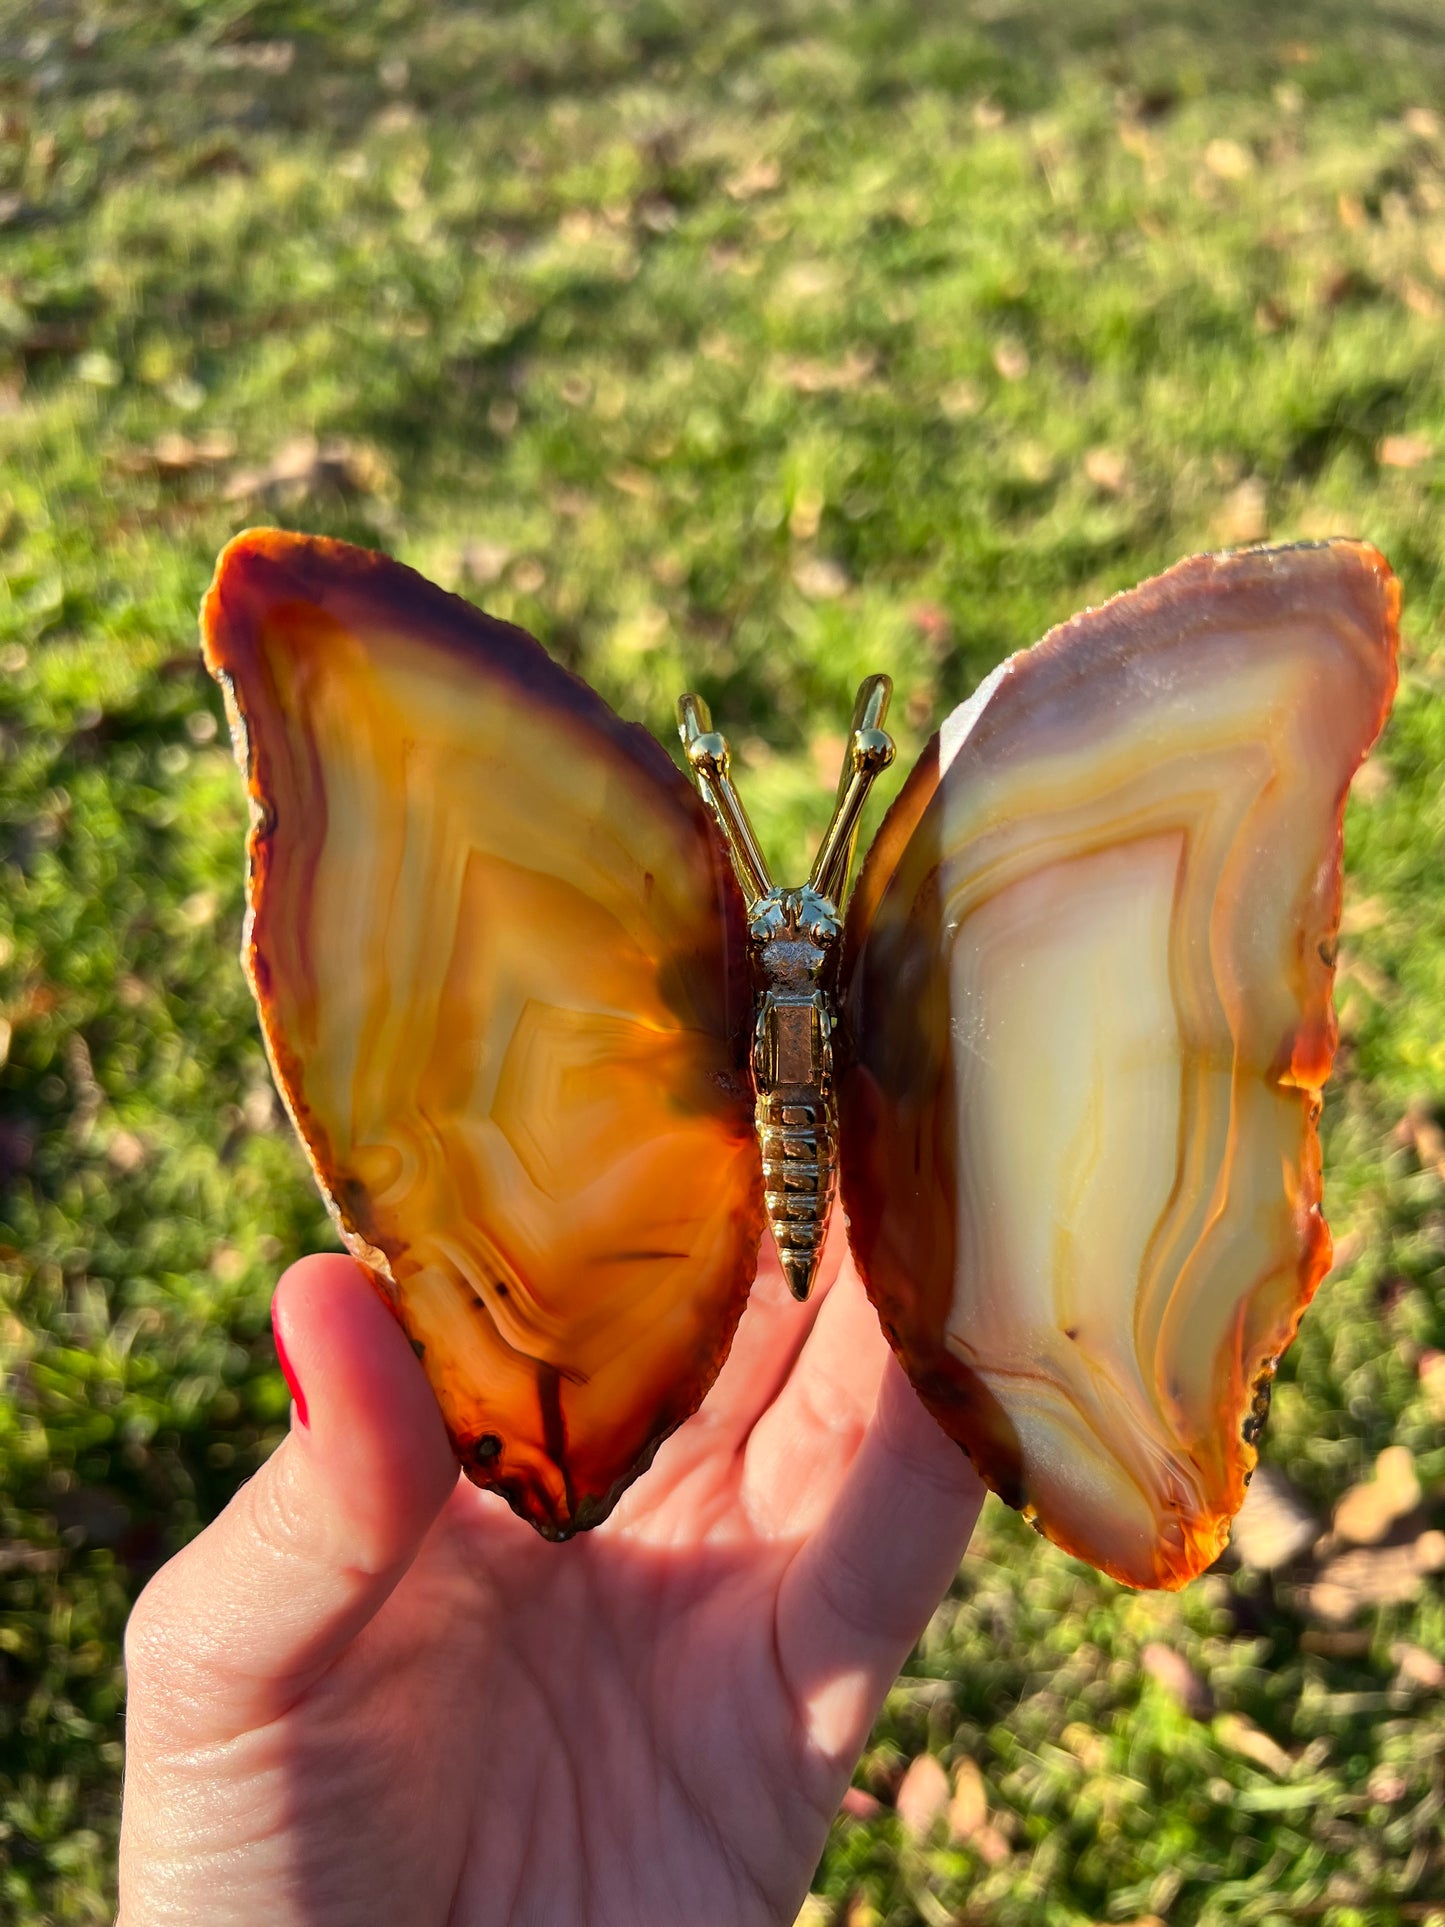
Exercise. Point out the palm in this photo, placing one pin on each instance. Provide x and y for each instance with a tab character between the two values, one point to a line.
656	1722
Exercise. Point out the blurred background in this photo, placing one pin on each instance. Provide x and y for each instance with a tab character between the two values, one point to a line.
747	349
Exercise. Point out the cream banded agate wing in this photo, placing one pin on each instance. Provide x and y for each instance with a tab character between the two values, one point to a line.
1087	1002
500	963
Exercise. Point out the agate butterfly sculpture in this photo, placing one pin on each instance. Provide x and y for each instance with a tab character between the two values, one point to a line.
558	1048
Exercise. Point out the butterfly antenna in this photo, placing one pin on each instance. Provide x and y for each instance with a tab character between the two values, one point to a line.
870	751
709	758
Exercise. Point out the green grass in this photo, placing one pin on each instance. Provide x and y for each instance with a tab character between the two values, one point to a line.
744	348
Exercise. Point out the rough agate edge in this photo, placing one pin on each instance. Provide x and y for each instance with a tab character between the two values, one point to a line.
1089	976
500	967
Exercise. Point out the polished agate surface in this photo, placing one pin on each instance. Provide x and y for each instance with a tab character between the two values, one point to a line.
499	959
1088	1005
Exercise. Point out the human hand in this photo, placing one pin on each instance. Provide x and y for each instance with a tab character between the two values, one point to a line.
367	1693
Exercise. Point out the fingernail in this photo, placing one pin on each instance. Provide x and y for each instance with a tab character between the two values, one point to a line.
288	1372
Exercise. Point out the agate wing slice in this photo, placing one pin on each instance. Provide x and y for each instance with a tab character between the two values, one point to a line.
500	964
1088	1000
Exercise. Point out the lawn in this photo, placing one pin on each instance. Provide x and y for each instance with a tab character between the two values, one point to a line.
747	349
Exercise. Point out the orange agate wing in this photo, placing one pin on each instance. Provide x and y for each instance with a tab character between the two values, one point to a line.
500	964
1088	1010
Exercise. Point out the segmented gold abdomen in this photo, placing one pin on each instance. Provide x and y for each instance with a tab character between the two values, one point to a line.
797	1125
798	1135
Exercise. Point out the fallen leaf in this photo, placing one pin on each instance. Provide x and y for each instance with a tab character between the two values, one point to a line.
1424	122
968	1809
484	562
1274	1525
1242	1736
819	578
959	400
1420	1131
126	1151
1107	469
1351	210
1245	515
1367	1511
200	908
922	1796
1086	1745
1404	451
1431	1369
1363	913
303	465
269	57
1172	1671
633	481
178	453
1228	160
825	377
761	177
1416	1667
1419	299
1011	359
1373	1576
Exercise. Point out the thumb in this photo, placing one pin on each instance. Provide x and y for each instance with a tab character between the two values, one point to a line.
238	1626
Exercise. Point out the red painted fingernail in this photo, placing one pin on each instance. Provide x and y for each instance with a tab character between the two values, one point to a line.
288	1372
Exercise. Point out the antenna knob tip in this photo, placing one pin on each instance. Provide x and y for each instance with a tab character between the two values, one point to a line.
872	750
708	754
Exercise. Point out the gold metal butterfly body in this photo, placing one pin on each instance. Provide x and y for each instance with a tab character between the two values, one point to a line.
795	937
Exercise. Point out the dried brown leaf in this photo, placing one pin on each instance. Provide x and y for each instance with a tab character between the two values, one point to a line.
1228	160
1419	299
1011	359
1242	1736
1274	1525
819	578
1107	469
829	377
1367	1511
1420	1131
1417	1668
1373	1576
960	399
922	1796
1245	514
968	1809
483	562
1404	451
303	465
1431	1367
759	177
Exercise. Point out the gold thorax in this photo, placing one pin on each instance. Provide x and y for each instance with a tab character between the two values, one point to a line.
795	936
